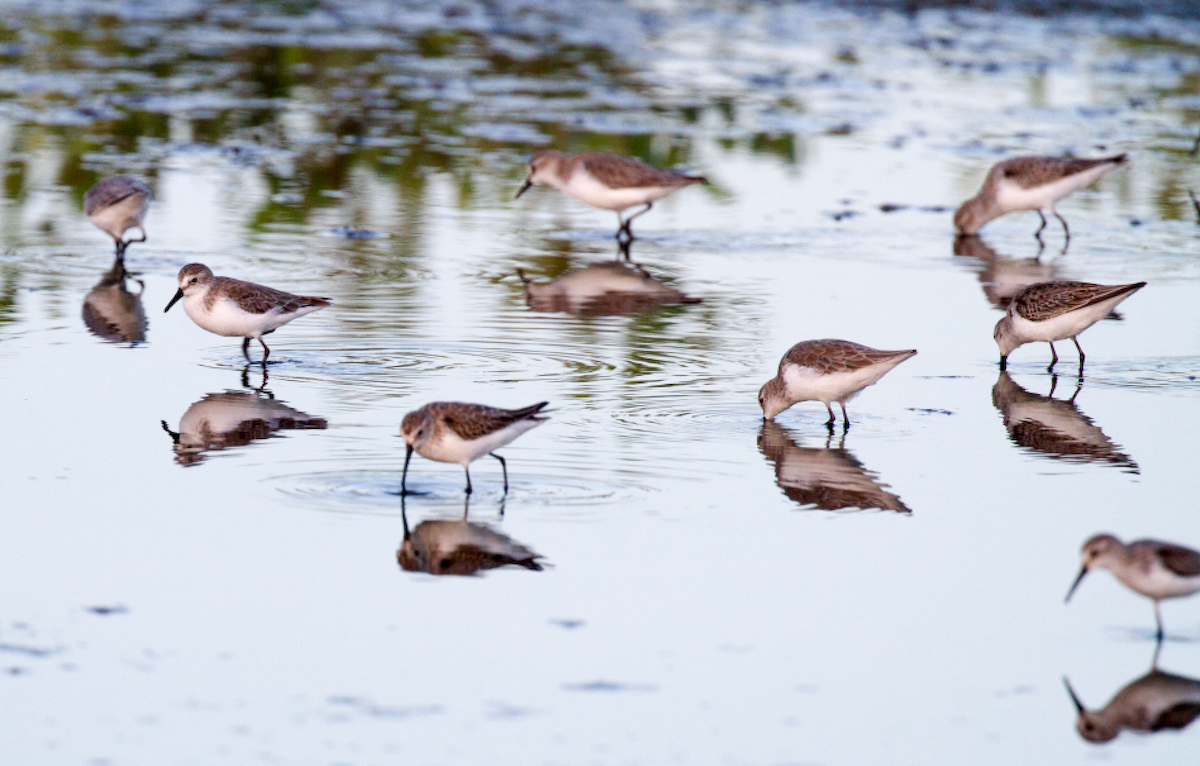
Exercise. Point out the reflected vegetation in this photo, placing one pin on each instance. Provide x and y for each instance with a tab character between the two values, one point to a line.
234	419
111	311
1154	702
459	547
610	288
1055	427
826	478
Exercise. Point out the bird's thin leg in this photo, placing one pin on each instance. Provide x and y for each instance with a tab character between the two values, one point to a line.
1158	619
1053	385
622	227
1038	234
504	468
1075	338
1063	221
266	352
1003	363
629	220
1078	388
121	245
1157	651
1053	355
845	418
830	421
246	348
467	471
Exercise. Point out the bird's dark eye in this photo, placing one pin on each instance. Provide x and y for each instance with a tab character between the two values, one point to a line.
193	281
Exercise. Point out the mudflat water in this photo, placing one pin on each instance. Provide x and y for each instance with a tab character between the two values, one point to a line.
202	564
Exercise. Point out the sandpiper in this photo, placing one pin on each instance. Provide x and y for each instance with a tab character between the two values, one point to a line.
1030	183
607	181
1050	311
117	204
233	308
457	432
1155	569
827	371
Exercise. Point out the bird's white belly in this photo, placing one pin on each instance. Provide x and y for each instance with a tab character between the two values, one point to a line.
805	384
585	188
451	448
226	317
1159	583
1011	196
126	214
1064	325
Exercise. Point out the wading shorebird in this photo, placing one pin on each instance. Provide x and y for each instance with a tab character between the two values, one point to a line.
1155	702
1153	568
826	371
457	432
607	181
1030	183
116	205
1050	311
233	308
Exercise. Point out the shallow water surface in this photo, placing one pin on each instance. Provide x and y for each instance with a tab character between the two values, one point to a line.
206	561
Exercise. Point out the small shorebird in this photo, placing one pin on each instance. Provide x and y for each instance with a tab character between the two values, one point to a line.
234	419
1050	311
607	181
233	308
117	204
827	371
457	432
1155	569
610	288
111	311
1030	183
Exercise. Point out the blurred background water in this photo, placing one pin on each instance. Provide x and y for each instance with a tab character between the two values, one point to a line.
200	563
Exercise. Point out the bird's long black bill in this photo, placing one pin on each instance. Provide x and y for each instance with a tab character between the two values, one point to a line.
1074	697
524	188
1075	584
408	450
178	295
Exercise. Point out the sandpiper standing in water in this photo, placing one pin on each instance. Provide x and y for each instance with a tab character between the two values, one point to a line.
457	432
233	308
1153	568
1050	311
116	205
1030	183
607	181
826	371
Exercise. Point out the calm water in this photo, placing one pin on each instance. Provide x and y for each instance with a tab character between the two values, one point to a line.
199	564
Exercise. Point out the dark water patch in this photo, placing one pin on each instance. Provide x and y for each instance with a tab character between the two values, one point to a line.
608	686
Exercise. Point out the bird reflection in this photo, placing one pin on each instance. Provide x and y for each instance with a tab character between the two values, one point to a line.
828	478
1002	278
1155	702
459	547
111	311
234	419
1055	427
609	288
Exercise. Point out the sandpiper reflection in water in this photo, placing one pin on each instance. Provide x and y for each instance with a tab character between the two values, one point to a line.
826	478
1055	427
610	288
459	547
1002	277
234	419
111	311
1155	702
